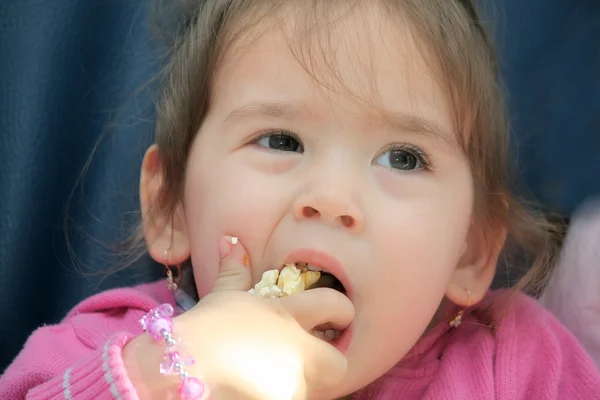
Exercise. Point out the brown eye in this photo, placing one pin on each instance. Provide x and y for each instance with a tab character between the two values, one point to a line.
280	142
402	159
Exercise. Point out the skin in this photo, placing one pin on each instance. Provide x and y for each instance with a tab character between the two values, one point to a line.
403	231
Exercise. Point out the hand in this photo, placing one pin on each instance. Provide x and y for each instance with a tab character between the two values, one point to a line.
246	346
259	348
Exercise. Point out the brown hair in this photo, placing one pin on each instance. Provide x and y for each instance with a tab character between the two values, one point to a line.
457	49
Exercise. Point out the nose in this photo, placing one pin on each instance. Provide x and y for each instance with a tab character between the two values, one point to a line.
332	208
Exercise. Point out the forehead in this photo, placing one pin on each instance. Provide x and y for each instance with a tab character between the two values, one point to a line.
364	63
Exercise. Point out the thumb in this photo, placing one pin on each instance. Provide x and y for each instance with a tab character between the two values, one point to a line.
234	271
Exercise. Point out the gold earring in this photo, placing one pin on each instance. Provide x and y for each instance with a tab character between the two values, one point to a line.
459	317
171	284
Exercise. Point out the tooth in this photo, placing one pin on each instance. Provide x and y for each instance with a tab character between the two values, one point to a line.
330	335
313	268
318	334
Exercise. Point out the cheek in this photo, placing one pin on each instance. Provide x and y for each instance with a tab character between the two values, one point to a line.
224	198
416	250
428	235
423	231
419	246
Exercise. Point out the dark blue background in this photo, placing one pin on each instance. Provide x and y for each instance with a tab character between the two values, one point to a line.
70	68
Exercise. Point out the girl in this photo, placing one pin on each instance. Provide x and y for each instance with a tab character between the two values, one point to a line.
362	138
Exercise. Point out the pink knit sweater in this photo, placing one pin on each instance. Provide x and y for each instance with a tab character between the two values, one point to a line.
529	355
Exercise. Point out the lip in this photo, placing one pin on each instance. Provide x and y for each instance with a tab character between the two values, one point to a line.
343	342
324	261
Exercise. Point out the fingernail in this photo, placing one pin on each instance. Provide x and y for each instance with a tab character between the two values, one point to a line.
246	260
226	244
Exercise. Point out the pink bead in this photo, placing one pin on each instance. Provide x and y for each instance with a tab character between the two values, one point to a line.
162	311
146	320
191	389
158	325
167	366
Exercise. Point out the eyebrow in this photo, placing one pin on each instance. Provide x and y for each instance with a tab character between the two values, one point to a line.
404	122
273	109
396	121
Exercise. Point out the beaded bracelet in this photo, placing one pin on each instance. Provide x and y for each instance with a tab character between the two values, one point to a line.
159	325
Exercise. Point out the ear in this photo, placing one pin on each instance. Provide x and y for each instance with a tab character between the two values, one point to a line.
477	267
165	232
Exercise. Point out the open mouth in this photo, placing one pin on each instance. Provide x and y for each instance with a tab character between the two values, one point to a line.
306	270
326	279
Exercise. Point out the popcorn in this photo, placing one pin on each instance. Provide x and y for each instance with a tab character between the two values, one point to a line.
290	280
310	278
269	279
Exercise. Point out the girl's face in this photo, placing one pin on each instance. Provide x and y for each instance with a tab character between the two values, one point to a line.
383	187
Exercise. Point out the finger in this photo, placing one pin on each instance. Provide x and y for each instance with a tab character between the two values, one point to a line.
319	306
234	271
321	356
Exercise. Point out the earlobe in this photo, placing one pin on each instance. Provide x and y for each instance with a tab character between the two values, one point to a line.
477	267
164	230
